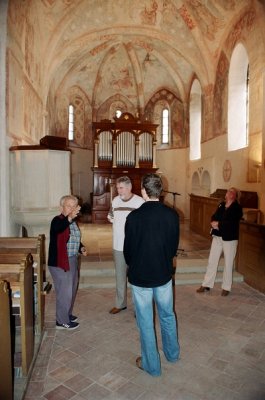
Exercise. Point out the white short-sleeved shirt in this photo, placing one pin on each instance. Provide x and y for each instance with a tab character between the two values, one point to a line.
118	214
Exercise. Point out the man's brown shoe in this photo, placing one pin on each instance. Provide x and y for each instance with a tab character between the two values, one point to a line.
203	289
138	362
225	292
116	310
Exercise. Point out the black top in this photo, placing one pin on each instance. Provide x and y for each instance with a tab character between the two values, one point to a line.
59	235
151	242
229	219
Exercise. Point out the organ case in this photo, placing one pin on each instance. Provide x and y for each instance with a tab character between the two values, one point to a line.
125	146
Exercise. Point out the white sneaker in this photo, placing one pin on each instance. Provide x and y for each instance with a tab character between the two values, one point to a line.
70	326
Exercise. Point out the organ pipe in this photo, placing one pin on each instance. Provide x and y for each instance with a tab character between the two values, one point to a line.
128	148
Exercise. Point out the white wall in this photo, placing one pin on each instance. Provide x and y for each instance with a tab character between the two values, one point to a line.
6	226
173	168
81	173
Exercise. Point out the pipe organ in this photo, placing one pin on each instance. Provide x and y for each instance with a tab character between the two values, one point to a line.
126	146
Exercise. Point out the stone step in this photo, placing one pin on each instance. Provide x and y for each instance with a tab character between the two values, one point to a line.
183	266
197	278
188	272
180	279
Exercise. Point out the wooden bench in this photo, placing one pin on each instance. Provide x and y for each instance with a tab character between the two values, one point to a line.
20	278
13	246
6	365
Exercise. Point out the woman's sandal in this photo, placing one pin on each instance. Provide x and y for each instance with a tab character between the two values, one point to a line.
139	363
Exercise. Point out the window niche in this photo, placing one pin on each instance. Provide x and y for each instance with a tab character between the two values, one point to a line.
201	182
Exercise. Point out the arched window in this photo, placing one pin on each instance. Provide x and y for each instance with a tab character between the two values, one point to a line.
165	126
195	120
71	122
118	113
238	94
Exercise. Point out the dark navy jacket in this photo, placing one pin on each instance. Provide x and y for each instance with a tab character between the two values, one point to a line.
229	219
151	241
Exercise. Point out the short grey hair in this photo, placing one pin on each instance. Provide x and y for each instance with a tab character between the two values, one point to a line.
124	179
152	184
68	197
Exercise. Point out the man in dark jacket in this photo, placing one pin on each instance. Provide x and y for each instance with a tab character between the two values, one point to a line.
151	242
225	232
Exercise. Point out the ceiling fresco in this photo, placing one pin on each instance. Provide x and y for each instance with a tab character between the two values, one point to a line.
107	47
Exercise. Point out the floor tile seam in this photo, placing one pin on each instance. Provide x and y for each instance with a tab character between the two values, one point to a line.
98	384
232	391
47	359
56	380
57	387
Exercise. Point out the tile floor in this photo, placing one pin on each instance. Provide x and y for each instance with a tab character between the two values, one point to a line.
222	343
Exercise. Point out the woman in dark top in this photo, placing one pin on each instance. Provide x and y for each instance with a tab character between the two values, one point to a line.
225	232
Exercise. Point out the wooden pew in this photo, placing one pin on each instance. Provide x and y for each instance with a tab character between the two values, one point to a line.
6	365
35	246
20	277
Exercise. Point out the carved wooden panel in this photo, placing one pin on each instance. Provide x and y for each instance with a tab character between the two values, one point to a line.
251	254
201	210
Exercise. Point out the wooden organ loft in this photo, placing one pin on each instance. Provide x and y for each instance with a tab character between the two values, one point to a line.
126	146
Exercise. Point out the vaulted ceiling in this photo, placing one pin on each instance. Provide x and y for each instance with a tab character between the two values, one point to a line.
122	46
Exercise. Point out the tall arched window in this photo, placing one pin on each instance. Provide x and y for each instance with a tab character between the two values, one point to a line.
71	122
195	120
238	93
165	126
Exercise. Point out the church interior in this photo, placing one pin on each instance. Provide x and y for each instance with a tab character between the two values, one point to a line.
91	90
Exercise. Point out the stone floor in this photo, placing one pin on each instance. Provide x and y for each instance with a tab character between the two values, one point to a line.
222	343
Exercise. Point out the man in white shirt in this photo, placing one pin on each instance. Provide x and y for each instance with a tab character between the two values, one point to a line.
122	205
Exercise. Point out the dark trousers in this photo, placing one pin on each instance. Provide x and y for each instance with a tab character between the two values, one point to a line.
65	284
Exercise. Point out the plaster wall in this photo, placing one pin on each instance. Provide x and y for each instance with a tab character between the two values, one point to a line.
6	227
81	173
173	169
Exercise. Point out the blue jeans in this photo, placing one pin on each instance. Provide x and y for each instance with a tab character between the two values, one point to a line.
143	301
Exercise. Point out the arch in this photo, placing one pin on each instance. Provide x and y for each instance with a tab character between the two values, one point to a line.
195	120
108	108
160	100
195	183
238	99
206	183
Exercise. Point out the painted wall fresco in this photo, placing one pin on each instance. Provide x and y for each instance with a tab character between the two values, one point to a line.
220	97
24	106
116	77
33	113
15	96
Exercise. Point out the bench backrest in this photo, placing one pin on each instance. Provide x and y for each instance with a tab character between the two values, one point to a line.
33	245
20	275
15	258
6	373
